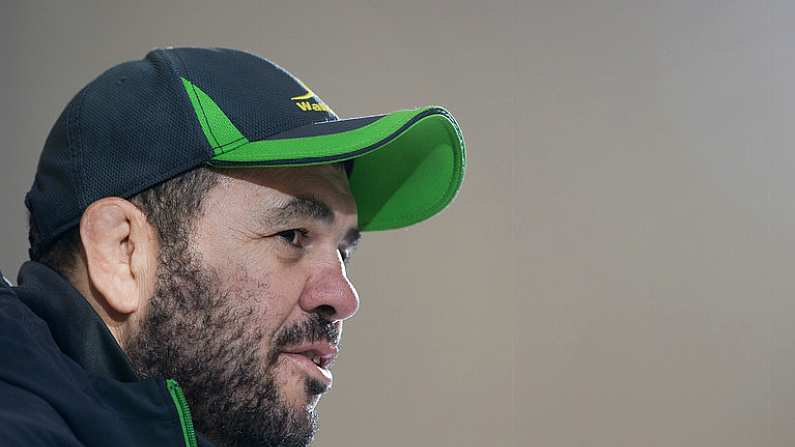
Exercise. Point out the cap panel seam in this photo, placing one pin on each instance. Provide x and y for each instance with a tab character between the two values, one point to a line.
75	143
190	113
198	98
204	115
229	144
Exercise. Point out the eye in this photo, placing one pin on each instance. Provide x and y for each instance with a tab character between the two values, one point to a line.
294	237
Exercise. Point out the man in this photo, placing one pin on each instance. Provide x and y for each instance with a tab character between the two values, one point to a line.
191	218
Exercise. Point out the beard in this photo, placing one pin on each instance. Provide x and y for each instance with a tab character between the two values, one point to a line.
211	342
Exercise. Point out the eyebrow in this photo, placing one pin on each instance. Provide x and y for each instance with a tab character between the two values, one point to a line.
352	237
299	208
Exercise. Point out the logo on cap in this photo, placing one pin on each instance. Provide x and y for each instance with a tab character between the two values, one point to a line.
310	102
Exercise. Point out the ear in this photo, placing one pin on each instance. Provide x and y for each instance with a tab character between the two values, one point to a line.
121	252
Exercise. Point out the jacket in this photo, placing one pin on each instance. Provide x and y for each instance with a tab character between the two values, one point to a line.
64	380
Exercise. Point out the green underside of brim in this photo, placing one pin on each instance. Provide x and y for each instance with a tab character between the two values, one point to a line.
412	177
409	164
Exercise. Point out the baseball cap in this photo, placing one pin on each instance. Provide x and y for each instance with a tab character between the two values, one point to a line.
145	121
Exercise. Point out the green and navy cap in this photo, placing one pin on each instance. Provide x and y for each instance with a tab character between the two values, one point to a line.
146	121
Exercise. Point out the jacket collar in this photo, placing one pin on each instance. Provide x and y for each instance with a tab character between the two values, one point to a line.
77	329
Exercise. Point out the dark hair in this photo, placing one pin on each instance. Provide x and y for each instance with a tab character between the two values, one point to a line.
171	207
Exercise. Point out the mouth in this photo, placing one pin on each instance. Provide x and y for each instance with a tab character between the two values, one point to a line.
316	359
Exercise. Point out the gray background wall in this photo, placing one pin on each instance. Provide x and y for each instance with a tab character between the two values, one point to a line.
616	270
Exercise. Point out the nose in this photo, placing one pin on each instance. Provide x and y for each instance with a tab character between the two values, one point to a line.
329	293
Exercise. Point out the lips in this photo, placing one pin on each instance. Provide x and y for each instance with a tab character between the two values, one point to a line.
314	356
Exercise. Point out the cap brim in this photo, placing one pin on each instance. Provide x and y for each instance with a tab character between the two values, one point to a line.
409	164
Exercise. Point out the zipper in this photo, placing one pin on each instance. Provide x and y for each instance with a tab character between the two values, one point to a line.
183	411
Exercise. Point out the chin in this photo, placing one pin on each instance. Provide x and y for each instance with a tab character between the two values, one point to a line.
300	390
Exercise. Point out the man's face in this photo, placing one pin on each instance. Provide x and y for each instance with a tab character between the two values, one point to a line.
246	309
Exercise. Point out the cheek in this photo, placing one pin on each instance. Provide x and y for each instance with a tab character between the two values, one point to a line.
269	296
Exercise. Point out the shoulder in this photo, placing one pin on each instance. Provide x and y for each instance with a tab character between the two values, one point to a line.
28	420
18	323
26	417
